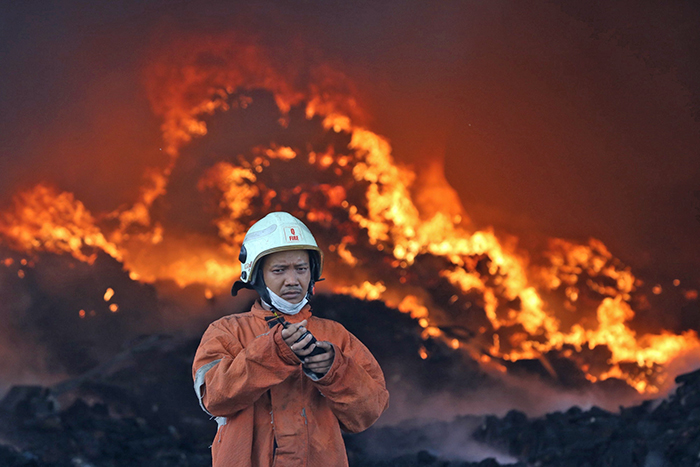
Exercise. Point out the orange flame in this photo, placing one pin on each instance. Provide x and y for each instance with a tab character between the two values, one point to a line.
44	220
367	206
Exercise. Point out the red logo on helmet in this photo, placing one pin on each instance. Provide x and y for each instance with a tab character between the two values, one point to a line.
291	235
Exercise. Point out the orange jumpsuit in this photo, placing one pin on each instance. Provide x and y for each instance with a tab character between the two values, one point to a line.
269	411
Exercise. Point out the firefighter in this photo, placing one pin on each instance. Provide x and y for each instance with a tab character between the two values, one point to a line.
282	383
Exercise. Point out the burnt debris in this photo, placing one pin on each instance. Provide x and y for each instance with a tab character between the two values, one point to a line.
136	413
655	433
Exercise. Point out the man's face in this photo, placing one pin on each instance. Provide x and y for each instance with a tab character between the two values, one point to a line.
288	274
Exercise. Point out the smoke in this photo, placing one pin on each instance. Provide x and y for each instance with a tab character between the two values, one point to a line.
56	321
498	395
448	441
24	361
59	320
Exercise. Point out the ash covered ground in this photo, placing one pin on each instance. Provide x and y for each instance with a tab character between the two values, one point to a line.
137	407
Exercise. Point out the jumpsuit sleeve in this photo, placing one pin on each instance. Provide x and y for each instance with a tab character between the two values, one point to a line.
229	377
354	386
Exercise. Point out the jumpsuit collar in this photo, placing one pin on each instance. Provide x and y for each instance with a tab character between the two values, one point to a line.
261	312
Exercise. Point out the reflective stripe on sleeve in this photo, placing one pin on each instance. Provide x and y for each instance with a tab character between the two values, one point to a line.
199	384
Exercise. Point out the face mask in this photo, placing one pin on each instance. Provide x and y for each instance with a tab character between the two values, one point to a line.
284	306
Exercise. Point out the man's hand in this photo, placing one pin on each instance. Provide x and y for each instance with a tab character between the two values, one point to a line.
292	333
321	363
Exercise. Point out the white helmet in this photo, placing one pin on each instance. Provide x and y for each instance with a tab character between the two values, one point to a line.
278	231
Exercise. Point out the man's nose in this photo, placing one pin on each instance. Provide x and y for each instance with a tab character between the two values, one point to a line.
290	278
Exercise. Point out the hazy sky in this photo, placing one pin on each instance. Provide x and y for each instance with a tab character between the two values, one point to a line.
560	118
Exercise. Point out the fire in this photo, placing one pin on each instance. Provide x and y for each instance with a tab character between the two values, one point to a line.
375	216
366	291
42	219
411	305
237	188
